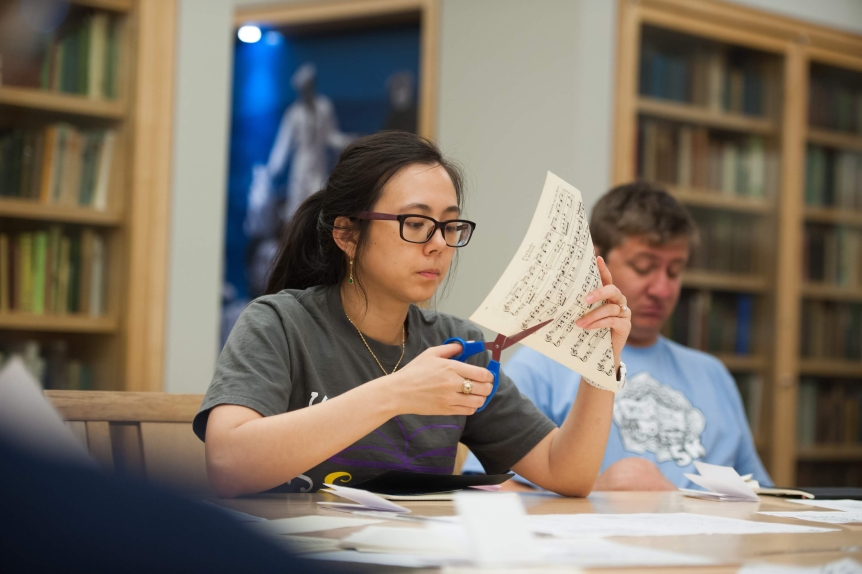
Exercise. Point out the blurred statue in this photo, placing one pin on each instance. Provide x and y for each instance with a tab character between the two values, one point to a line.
402	102
308	130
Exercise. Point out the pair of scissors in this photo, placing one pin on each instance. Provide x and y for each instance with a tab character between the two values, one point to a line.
470	348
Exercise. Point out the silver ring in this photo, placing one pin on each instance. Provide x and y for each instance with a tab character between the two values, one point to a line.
467	386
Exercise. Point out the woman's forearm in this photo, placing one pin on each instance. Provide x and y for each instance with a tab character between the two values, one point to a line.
249	453
579	447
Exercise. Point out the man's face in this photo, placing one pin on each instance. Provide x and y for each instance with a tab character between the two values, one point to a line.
650	276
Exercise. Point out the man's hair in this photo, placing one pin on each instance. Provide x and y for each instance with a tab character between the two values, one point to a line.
639	209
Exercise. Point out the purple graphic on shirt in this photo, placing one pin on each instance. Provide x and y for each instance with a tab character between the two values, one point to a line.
406	462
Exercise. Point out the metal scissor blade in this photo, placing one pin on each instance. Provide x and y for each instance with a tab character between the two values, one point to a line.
524	334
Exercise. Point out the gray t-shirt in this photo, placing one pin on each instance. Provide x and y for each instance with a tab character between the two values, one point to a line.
296	349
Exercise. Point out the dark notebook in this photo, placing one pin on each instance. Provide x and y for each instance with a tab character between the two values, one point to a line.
834	492
400	482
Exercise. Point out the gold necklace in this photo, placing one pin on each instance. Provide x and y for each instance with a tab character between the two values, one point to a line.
361	336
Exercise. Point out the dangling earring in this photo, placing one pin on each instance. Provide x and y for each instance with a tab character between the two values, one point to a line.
350	279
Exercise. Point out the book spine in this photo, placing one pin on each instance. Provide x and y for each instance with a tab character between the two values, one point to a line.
40	254
5	265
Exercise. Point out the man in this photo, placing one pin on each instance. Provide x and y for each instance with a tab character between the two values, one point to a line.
680	405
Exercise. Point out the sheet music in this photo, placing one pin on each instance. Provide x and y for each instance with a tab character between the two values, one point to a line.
551	273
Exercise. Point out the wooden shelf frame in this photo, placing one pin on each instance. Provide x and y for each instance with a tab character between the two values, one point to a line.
717	200
717	281
796	45
35	211
127	346
112	5
690	113
831	292
58	102
838	368
829	453
835	139
833	215
78	324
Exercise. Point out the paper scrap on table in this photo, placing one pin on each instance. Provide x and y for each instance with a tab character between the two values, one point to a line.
837	517
365	500
723	483
312	523
844	566
845	504
450	545
308	544
664	524
549	276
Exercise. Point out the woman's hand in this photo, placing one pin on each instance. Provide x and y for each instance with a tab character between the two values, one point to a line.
431	384
613	314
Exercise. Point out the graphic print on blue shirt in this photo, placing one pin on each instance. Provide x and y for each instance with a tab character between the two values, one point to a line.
657	418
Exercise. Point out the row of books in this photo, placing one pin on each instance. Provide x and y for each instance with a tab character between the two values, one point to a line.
833	178
750	387
834	105
728	243
53	271
814	474
50	363
831	330
833	255
691	157
715	322
83	56
829	412
710	77
57	164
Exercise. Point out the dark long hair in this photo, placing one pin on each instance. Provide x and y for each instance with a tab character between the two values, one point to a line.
308	255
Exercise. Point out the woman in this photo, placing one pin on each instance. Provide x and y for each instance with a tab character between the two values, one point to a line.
337	376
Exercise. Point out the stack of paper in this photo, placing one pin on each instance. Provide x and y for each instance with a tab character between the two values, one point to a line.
721	483
846	504
838	517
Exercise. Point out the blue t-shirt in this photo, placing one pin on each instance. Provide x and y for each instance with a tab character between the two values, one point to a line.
679	405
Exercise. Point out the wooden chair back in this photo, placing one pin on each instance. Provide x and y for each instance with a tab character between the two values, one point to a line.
148	435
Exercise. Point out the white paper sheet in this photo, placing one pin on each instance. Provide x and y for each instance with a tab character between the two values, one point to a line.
845	504
448	545
722	483
307	544
497	529
549	276
669	524
29	420
838	517
845	566
365	500
402	560
313	523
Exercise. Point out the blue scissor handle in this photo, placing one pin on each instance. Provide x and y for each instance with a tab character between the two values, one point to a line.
471	348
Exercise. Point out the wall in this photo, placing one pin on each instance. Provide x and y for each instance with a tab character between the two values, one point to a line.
202	105
525	87
522	91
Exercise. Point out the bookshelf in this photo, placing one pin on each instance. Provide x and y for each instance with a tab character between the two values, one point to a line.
754	121
85	124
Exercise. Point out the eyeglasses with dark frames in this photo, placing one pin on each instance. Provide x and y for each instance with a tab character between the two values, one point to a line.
421	228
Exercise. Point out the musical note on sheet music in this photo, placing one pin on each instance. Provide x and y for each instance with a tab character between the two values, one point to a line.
549	276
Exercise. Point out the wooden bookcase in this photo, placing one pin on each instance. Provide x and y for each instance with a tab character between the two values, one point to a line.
787	51
124	345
